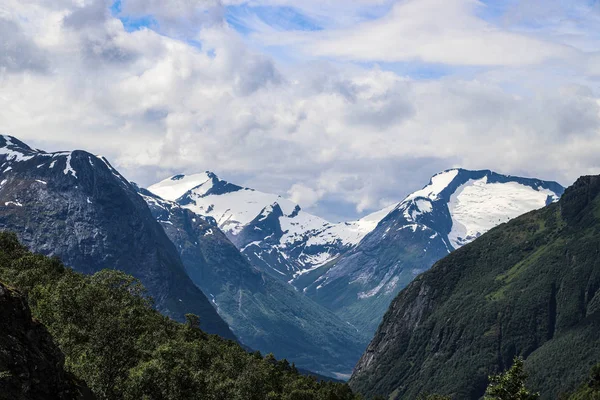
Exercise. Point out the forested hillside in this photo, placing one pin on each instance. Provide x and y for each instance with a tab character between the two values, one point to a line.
114	340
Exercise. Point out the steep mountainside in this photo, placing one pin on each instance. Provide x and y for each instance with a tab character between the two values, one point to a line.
264	313
456	207
31	365
529	287
273	232
74	205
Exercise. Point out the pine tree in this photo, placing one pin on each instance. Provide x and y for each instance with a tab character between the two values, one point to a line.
510	385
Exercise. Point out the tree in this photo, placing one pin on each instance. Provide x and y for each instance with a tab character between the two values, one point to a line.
510	385
192	321
589	390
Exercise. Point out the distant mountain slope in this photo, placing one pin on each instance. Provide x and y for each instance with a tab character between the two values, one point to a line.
456	207
264	313
529	287
31	364
76	206
273	232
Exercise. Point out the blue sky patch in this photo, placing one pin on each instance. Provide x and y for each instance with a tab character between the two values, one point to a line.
133	24
244	17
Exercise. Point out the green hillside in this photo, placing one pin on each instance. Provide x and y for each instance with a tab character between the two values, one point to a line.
122	348
528	287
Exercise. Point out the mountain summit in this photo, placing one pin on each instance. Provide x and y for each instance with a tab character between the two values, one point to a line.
356	268
274	233
76	206
456	207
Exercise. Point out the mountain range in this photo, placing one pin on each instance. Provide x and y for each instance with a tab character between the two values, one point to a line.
274	233
356	268
265	313
456	207
284	280
529	287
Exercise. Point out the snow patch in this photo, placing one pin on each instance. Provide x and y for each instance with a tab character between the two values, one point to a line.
438	183
478	206
178	185
68	168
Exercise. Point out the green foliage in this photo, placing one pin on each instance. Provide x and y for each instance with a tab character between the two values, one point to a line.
122	348
510	385
590	390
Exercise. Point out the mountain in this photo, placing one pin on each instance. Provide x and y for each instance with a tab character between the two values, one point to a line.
76	206
31	365
265	313
456	207
123	349
528	287
274	233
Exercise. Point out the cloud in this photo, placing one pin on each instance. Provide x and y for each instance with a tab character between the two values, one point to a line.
431	31
177	18
304	195
18	53
88	15
340	138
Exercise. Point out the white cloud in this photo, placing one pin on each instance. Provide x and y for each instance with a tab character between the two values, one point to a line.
324	132
431	31
304	195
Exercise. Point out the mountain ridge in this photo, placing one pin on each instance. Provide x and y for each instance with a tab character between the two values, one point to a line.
76	206
455	207
300	241
527	287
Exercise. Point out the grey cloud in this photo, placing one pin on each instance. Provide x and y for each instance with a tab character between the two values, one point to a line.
256	73
383	111
91	14
18	53
106	50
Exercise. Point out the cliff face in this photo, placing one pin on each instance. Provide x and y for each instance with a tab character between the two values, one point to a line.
529	287
31	365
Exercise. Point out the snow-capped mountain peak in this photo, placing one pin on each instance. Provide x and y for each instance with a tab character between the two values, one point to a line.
475	202
272	231
453	209
438	183
176	186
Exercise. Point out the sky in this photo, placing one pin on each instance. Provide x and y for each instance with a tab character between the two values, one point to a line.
344	106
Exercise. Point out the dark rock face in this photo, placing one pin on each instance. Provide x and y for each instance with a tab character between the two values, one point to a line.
529	287
264	313
76	206
31	365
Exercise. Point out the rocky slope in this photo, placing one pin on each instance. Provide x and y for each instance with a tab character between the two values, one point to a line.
456	207
529	287
274	233
264	313
31	365
76	206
